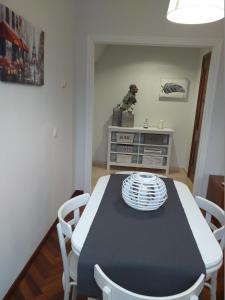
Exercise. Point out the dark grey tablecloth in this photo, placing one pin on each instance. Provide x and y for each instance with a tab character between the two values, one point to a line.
150	253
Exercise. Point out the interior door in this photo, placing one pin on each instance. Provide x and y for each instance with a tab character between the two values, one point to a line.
199	115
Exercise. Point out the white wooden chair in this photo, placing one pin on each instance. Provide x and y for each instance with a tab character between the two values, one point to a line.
126	172
213	210
65	230
131	172
112	291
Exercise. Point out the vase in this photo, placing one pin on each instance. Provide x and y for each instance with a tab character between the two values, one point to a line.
127	119
117	116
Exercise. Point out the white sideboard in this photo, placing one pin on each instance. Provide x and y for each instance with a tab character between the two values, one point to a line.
139	147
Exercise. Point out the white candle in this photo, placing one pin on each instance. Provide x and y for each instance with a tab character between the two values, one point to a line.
161	124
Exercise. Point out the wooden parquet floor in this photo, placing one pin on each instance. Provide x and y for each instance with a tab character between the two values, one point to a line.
43	279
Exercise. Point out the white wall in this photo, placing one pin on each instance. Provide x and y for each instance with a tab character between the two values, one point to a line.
122	65
216	144
99	51
116	18
36	168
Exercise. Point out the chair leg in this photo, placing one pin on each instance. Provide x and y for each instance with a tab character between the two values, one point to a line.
213	287
66	293
74	292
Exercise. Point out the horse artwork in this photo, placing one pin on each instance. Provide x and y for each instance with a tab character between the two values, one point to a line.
173	88
21	49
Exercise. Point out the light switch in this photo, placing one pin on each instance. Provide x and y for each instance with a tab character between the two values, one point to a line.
55	132
63	84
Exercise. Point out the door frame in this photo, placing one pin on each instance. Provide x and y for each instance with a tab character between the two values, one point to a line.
206	58
199	185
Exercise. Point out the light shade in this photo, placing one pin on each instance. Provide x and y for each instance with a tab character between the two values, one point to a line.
195	11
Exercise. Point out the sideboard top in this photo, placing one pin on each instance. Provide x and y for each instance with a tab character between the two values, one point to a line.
142	129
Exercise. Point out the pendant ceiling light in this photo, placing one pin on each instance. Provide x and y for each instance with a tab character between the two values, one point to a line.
195	11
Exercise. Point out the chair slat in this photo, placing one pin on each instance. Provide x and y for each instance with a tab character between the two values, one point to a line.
208	217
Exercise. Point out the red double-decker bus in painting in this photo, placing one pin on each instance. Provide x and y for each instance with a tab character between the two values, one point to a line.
21	49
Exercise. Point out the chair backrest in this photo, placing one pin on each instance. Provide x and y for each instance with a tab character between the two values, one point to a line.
125	172
64	228
131	172
112	291
213	210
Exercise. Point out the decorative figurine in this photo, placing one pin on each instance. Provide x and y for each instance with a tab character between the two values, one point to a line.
129	100
127	106
123	112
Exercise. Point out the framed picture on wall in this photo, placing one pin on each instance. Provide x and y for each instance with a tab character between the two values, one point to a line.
174	88
21	49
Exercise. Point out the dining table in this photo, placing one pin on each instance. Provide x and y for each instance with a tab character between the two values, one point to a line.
152	249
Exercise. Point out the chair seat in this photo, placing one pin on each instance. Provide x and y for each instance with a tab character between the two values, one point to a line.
73	266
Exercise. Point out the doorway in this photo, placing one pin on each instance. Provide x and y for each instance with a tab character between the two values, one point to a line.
117	66
83	174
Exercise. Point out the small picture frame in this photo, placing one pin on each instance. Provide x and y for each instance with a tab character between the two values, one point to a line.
174	88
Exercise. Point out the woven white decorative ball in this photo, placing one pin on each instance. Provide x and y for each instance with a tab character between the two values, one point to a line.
144	191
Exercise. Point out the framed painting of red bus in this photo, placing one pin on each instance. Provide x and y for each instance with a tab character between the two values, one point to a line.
21	49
